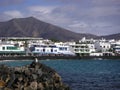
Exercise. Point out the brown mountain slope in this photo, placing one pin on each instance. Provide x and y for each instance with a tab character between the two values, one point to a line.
31	27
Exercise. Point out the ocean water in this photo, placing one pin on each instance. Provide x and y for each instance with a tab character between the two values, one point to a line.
83	74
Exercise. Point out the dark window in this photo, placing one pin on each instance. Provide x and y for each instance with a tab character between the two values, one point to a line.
37	49
51	50
55	50
43	50
60	48
3	48
12	48
65	49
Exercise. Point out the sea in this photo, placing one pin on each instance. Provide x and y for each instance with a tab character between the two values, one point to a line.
83	74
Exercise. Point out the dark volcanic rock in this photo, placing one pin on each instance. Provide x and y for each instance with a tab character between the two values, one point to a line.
35	76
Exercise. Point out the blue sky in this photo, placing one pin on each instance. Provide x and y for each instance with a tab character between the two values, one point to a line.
99	17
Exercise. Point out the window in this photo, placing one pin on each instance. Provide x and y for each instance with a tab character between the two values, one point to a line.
76	50
55	50
11	48
37	50
3	48
65	49
51	50
60	48
43	50
87	50
76	46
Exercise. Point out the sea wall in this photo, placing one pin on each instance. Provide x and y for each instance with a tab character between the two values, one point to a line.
38	57
35	76
56	57
101	57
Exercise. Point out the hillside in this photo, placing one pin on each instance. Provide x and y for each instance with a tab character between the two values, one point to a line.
112	36
32	27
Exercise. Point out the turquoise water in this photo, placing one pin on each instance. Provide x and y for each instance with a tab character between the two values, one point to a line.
84	74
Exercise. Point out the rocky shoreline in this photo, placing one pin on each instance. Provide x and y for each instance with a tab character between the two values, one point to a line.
35	76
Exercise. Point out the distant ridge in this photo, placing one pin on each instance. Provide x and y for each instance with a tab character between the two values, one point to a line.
112	36
32	27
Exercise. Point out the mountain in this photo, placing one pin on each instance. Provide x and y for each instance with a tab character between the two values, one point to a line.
32	27
112	36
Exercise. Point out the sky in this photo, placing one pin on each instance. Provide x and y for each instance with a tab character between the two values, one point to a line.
99	17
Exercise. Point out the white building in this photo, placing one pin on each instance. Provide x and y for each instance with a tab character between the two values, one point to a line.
11	48
102	46
45	49
116	47
84	47
57	48
64	48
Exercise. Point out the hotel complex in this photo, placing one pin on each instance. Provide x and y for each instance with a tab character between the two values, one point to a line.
39	46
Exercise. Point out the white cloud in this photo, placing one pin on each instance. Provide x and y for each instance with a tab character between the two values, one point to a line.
106	2
79	25
98	12
13	14
50	14
77	15
10	2
101	25
65	1
41	9
76	19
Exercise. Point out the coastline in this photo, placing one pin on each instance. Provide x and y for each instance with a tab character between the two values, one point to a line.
38	57
101	57
57	57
